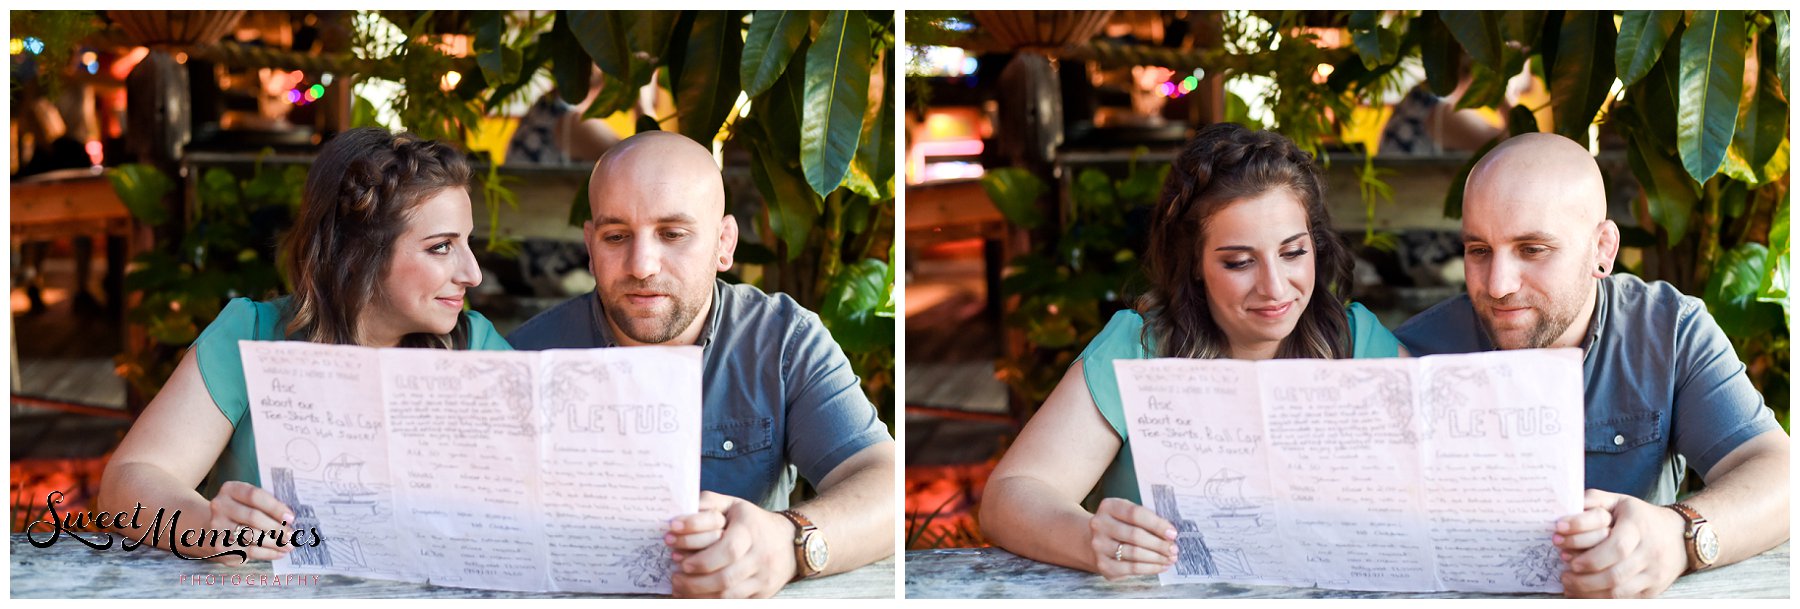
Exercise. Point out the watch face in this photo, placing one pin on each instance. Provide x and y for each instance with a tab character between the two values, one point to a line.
816	553
1706	544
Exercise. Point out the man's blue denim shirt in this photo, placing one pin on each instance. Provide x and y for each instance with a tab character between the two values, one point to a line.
777	393
1664	388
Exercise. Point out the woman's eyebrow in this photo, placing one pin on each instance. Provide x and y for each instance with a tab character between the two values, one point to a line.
440	235
1246	248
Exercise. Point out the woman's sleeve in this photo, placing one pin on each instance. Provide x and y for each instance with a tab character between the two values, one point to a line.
217	354
483	336
1371	338
1120	339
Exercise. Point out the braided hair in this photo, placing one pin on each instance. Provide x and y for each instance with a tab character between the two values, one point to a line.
1223	164
360	191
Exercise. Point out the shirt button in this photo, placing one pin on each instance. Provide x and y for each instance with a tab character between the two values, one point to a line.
728	445
1617	441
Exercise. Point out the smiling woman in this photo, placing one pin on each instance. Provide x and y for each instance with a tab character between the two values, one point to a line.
1243	264
379	257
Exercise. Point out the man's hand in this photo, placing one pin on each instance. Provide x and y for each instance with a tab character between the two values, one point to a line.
731	549
1620	546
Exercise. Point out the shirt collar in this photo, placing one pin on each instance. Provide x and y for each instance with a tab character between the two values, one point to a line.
1597	325
603	329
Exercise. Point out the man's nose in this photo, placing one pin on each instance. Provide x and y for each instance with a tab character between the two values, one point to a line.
1502	277
643	260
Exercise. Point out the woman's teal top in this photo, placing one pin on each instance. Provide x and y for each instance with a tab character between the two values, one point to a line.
223	371
1122	338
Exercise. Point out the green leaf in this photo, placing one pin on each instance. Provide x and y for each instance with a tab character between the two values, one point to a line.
872	172
1015	192
1093	190
1441	55
704	86
851	304
793	208
218	187
615	96
498	63
1774	287
615	39
142	188
1479	34
1781	39
1712	69
837	95
1764	122
1520	120
1580	76
570	66
580	210
1375	44
1732	290
1487	88
773	38
1642	36
1671	194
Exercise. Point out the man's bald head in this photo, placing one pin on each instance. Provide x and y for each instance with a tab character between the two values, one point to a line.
1535	238
659	164
658	238
1541	174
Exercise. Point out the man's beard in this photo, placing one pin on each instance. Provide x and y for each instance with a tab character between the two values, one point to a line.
1550	325
652	331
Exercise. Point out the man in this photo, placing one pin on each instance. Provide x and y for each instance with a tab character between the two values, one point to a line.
778	393
1664	390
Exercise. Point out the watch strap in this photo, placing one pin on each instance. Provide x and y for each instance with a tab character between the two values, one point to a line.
1690	535
803	526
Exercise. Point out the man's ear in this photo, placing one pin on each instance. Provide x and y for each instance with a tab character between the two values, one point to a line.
728	238
1606	249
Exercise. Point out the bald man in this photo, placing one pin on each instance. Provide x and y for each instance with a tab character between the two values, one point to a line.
778	395
1664	389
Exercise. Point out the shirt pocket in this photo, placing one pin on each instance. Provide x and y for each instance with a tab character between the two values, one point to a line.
1624	432
737	437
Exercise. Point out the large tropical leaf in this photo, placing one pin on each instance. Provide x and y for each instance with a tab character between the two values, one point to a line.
1479	34
872	172
1671	194
1581	72
142	188
1442	56
1376	45
851	304
498	63
1453	198
773	38
1774	286
837	94
793	208
1732	289
1642	36
1015	192
618	39
570	66
1764	122
1712	70
705	86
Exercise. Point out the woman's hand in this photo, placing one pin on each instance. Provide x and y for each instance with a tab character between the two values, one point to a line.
1129	539
240	505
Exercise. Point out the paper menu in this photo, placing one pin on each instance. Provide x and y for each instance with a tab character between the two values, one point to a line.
529	471
1435	473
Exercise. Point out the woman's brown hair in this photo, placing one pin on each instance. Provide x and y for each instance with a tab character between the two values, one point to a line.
1223	164
360	191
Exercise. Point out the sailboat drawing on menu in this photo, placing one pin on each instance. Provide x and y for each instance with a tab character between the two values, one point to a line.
1225	490
344	476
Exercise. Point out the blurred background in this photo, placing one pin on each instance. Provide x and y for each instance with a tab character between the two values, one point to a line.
157	158
1037	140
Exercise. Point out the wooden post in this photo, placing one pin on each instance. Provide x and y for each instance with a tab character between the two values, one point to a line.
159	122
1029	133
1208	104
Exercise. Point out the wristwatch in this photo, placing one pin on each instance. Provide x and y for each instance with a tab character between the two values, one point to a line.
1702	542
810	551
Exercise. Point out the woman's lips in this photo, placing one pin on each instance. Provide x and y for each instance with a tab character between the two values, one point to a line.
1274	312
451	302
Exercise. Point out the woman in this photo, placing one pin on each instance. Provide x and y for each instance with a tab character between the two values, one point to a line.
379	257
1243	264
